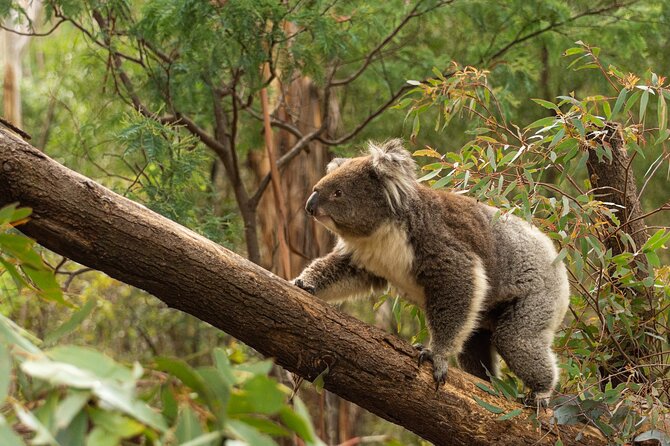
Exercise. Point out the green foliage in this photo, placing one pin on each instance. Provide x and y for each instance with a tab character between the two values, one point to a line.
209	37
615	349
20	261
409	321
171	176
490	407
88	398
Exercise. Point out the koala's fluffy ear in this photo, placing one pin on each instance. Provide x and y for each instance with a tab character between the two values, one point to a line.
397	168
391	159
335	163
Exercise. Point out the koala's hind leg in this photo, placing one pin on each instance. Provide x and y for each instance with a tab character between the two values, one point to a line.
523	337
478	355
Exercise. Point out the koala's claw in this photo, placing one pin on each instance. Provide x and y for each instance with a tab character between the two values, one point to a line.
439	380
425	354
538	401
302	285
440	368
440	364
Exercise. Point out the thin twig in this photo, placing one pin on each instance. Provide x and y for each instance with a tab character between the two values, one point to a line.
33	33
555	25
371	55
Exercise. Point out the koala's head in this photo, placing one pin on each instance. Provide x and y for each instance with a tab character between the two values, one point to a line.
357	195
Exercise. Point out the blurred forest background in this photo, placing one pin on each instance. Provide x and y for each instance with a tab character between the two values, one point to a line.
169	103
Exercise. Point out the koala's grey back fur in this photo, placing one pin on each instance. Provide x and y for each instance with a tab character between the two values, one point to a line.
486	284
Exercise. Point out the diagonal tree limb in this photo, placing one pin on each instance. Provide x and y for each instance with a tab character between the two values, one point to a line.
78	218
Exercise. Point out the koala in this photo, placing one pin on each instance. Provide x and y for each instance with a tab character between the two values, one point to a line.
488	284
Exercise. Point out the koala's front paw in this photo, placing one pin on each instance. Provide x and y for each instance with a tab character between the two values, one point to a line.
302	284
440	364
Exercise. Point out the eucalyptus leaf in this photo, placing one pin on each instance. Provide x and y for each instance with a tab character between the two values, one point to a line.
242	431
488	406
5	372
188	425
566	414
223	365
59	373
510	415
42	434
302	412
619	101
265	395
75	433
70	407
188	375
210	438
115	423
72	323
11	333
120	399
653	434
101	437
93	361
7	435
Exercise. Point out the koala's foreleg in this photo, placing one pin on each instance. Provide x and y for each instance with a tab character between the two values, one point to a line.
334	277
452	311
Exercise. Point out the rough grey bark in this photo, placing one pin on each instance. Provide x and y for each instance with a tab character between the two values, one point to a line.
614	182
78	218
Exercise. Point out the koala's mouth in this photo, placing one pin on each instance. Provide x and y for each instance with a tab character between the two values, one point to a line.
326	221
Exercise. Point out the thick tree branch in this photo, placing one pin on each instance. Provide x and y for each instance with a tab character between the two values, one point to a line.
78	218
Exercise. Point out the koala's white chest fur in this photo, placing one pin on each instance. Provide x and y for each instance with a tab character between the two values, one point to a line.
387	253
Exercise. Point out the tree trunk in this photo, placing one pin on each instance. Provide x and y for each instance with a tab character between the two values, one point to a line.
300	105
12	78
78	218
614	182
14	45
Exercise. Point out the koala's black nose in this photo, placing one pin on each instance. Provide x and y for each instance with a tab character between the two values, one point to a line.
312	201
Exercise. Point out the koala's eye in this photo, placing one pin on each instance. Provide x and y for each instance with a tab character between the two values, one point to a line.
338	193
